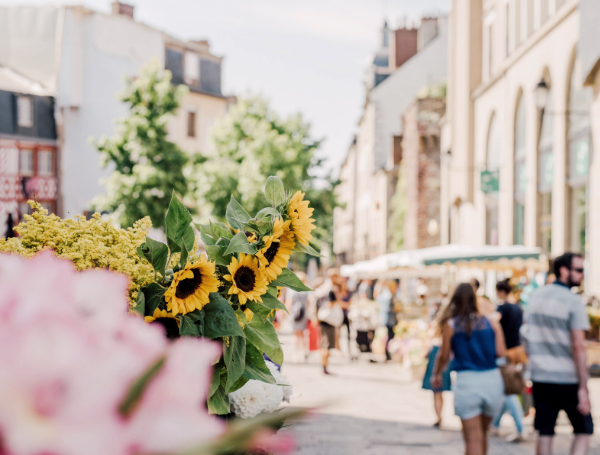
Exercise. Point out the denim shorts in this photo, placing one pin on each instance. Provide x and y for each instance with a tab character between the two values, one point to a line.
477	393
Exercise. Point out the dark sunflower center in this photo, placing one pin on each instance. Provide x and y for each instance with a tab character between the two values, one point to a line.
187	287
272	251
245	278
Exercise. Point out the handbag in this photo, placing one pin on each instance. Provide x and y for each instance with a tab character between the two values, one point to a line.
332	315
514	384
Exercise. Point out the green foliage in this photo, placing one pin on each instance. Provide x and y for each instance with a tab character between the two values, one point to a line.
234	355
253	143
147	165
290	280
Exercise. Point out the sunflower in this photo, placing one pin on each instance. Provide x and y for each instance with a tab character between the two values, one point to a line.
158	314
191	286
277	250
247	278
300	215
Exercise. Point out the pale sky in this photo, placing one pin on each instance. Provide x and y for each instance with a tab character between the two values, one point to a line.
305	56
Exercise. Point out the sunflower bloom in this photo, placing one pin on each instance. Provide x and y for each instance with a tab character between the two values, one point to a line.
278	248
300	215
158	314
191	287
248	279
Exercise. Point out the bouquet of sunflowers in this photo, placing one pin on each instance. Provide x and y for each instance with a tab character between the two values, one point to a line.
230	293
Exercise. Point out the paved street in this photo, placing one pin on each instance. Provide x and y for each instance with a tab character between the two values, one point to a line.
379	409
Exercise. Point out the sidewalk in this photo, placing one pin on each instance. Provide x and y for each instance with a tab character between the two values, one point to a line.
379	409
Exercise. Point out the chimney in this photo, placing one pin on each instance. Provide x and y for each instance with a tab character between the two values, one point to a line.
122	9
403	46
427	32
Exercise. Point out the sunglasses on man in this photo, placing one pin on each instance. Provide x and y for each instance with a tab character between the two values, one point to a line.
577	270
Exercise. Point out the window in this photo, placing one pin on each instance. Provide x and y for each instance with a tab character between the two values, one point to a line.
520	181
26	162
191	124
192	69
545	178
490	50
493	157
25	111
529	17
578	161
45	165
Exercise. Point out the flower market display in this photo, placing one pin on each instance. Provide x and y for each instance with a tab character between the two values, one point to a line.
229	294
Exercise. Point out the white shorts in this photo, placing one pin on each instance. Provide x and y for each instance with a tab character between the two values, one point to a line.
477	393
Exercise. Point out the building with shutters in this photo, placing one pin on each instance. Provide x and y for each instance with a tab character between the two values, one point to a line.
28	149
81	58
408	61
520	143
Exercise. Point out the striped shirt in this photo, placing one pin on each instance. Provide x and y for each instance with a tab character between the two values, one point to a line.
554	311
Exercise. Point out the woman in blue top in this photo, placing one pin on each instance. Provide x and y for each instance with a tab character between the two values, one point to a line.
476	341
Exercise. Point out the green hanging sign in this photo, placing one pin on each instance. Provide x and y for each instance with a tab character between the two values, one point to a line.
490	181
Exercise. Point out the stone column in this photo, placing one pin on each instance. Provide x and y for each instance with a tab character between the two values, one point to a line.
592	283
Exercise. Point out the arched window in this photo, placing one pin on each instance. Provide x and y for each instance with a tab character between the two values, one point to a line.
520	172
493	157
578	158
545	178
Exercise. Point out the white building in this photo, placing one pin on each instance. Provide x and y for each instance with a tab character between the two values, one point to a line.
518	143
82	57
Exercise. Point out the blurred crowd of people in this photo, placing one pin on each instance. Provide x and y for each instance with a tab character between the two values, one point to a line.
521	351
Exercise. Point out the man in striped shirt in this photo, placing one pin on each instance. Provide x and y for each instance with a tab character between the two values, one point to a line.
556	322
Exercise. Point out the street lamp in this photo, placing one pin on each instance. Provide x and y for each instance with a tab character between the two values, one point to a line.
541	93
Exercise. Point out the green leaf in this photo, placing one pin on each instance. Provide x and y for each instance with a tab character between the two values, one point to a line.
135	392
140	303
259	310
240	244
154	297
274	191
267	212
219	319
256	368
192	324
215	253
241	382
262	334
220	231
290	280
235	359
207	239
177	221
216	378
308	250
272	303
183	257
218	403
236	215
156	253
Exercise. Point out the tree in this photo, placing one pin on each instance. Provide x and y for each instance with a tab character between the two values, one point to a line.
252	143
147	165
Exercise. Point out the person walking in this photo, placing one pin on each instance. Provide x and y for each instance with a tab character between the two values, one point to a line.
511	322
475	341
387	311
554	333
330	317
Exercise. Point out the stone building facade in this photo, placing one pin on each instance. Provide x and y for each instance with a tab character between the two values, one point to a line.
420	168
375	153
519	140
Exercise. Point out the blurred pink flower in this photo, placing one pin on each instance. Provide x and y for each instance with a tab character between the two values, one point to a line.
70	352
275	443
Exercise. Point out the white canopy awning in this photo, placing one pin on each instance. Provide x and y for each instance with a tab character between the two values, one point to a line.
432	261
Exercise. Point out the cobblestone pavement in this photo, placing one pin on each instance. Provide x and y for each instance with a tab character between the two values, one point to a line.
379	409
